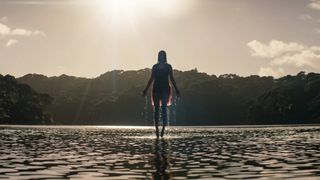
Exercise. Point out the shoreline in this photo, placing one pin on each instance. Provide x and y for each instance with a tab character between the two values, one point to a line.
148	127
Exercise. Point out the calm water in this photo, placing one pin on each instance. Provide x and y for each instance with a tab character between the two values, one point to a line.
29	152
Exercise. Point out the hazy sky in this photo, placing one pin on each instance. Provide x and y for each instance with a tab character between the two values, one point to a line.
89	37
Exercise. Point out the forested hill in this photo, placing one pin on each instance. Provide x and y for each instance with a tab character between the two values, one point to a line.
114	98
20	104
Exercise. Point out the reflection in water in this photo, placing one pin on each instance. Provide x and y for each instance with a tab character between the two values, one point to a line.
161	161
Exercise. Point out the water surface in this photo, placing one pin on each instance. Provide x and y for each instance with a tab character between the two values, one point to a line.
106	152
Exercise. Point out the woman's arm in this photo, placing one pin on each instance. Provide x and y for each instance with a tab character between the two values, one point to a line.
174	82
144	92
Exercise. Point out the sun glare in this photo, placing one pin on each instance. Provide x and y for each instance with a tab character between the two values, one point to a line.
141	7
118	6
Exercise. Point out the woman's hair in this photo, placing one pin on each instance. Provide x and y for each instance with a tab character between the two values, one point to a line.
162	56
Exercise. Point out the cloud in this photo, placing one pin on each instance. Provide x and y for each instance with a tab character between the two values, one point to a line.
4	30
314	4
267	71
7	31
273	49
21	32
281	53
306	58
25	32
11	42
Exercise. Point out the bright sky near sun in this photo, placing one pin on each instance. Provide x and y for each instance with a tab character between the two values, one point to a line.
89	37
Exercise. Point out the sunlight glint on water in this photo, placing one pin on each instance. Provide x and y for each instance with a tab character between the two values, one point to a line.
145	110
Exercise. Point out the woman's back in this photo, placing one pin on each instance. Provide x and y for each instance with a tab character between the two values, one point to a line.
161	76
161	93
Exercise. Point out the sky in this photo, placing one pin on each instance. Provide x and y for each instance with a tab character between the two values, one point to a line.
87	38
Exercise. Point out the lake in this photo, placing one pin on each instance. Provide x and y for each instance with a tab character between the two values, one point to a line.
129	152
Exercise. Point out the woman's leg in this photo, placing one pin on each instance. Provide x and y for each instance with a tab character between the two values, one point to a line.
164	100
156	101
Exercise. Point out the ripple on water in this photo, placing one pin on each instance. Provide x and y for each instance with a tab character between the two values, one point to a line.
134	153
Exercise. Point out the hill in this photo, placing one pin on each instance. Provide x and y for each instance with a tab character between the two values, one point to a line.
115	98
20	104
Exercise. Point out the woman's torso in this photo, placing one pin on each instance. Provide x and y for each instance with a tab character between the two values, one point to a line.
161	77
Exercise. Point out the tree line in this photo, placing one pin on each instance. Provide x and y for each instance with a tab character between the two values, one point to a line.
114	98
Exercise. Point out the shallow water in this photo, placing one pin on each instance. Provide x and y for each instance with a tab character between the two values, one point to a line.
31	152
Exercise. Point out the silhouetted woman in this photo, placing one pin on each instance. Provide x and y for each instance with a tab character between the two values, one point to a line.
161	90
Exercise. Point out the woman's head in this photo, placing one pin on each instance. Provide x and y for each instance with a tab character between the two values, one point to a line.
162	56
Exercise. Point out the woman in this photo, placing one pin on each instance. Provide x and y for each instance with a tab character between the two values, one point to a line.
161	90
